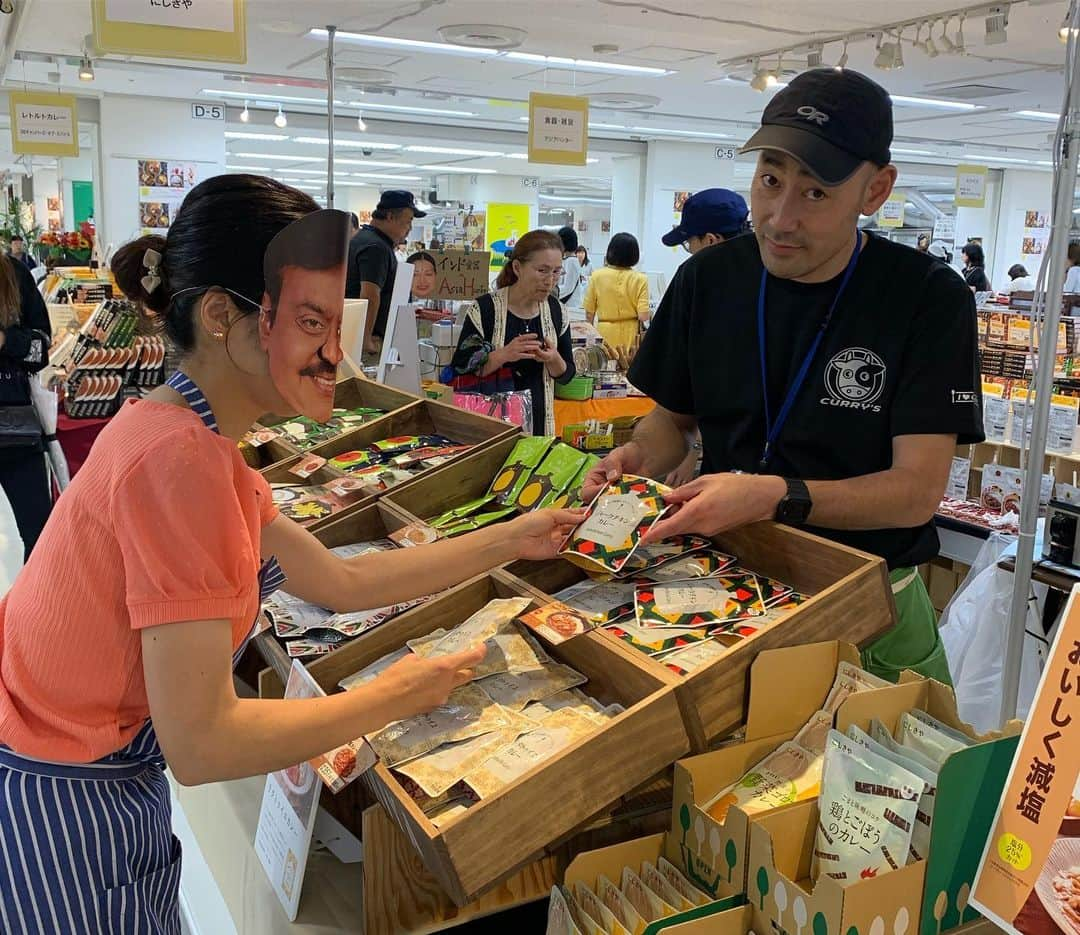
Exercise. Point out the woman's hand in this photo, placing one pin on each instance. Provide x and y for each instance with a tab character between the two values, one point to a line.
538	535
523	347
416	685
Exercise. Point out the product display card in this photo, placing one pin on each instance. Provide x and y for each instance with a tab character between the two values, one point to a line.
699	602
959	475
995	412
557	622
1029	878
616	521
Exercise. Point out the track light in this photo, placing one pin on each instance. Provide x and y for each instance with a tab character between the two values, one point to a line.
945	42
763	78
360	125
86	69
813	56
890	55
280	121
928	46
959	46
843	60
245	114
997	21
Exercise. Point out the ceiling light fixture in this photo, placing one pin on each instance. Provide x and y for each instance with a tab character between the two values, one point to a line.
403	109
913	152
344	144
459	169
383	175
841	63
947	45
360	125
890	55
763	79
245	114
248	168
934	102
372	164
279	156
281	121
928	46
270	99
997	22
1037	115
691	133
268	137
959	46
86	69
586	64
813	56
416	45
451	151
986	157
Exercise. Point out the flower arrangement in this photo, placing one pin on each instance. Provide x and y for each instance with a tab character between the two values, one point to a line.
68	248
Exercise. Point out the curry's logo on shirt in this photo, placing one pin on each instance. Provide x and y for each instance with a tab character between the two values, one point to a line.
854	379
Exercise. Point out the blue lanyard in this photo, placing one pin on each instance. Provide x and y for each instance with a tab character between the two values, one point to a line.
773	429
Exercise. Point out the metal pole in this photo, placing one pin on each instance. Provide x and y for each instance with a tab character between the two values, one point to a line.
330	32
1044	378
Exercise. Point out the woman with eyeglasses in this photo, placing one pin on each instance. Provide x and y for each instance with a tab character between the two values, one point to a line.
518	336
117	640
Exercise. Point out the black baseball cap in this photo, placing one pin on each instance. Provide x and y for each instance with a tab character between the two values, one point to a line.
710	211
395	200
832	120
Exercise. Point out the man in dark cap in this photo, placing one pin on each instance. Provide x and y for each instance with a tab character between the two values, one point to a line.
709	217
827	395
372	265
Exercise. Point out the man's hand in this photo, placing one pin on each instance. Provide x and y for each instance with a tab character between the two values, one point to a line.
717	502
624	460
685	472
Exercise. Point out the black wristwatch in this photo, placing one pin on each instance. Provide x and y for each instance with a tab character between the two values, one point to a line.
794	508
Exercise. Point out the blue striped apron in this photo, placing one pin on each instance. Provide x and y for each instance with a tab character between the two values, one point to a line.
88	847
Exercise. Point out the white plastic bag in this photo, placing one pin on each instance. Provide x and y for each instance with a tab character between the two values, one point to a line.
973	627
11	546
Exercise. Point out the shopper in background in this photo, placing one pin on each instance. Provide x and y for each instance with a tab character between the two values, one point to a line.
1072	276
586	265
119	635
974	273
373	264
1019	280
518	336
25	336
354	224
923	244
709	217
617	297
570	288
826	397
18	250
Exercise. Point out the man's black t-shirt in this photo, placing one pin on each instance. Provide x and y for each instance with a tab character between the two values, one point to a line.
899	358
371	259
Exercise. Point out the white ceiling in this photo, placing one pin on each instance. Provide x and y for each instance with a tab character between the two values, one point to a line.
449	99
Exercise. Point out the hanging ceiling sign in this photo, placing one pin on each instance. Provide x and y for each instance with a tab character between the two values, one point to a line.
558	129
44	124
205	30
971	186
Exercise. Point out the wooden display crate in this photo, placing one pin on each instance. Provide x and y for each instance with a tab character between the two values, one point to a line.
451	485
350	393
423	417
495	838
372	522
852	601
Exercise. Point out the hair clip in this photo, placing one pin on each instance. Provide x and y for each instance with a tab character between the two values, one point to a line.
152	265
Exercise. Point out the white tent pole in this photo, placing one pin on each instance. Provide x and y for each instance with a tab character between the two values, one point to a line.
1048	300
330	33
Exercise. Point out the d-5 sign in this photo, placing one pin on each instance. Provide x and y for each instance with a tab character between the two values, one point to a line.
211	112
725	152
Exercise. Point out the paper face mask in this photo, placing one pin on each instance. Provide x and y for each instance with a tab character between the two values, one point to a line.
300	325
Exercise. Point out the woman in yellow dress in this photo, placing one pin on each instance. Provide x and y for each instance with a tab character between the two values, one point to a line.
617	299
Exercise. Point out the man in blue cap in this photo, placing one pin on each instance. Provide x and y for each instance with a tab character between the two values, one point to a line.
372	265
709	217
826	397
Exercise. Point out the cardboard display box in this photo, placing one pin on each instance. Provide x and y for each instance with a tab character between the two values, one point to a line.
929	896
851	600
720	917
492	840
372	522
713	855
350	393
422	417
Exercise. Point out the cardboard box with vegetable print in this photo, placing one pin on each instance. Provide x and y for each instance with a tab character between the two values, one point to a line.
929	895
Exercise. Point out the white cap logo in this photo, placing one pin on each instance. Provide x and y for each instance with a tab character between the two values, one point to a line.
813	115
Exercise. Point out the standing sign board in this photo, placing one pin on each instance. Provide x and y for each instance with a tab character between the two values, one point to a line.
558	129
205	30
1030	871
461	274
44	124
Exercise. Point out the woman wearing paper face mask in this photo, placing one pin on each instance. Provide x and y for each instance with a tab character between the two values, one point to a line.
119	636
520	333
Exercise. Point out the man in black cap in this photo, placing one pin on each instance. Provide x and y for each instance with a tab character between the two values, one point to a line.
372	265
709	217
830	372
